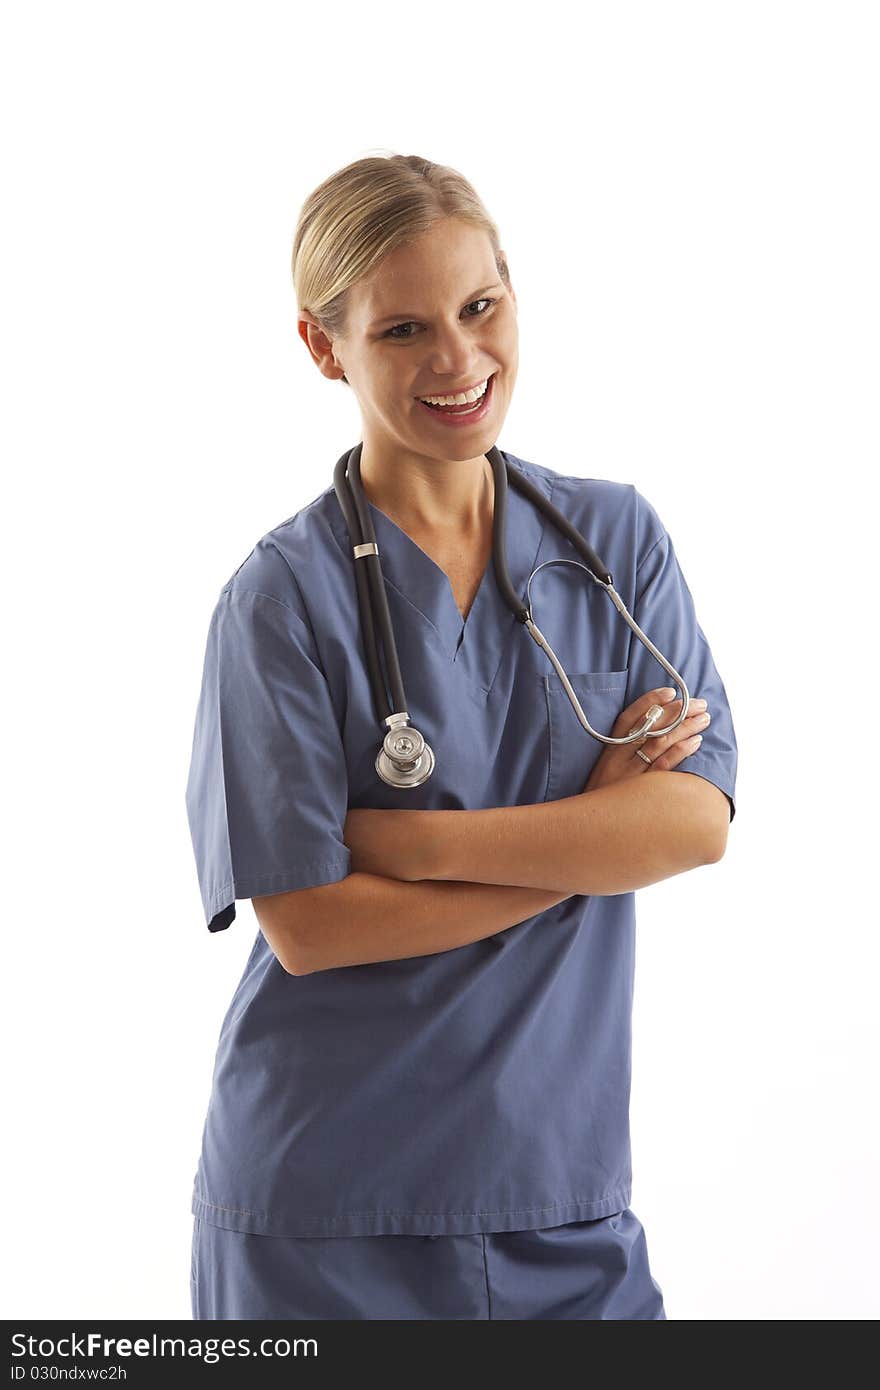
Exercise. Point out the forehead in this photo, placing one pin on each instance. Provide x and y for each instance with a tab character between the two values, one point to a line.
444	264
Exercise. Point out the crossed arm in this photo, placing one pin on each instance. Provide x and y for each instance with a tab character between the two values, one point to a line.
579	844
427	881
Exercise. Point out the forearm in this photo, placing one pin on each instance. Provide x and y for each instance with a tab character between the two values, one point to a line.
612	840
365	918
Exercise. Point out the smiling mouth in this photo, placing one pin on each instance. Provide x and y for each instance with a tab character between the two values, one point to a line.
464	407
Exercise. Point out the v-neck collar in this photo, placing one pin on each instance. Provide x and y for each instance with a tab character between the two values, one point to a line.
476	644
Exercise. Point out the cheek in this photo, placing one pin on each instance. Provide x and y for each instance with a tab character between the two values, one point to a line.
389	395
505	343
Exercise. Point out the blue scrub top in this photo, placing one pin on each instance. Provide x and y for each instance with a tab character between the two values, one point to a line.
484	1088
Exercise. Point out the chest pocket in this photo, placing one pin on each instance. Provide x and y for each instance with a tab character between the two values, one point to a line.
574	752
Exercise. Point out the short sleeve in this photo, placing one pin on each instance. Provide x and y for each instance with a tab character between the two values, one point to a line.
267	792
664	610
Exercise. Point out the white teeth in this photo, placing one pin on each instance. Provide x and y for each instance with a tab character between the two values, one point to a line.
462	398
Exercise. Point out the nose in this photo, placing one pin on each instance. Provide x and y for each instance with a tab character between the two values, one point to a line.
454	354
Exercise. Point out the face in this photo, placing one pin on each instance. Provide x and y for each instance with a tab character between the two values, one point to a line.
432	319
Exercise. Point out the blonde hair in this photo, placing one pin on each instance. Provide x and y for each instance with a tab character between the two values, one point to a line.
366	210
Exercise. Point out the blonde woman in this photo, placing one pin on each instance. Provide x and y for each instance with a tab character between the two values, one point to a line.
420	1104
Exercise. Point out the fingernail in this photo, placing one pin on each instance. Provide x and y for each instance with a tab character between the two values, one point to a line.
667	692
697	740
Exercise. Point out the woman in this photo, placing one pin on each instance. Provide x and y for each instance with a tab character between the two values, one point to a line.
431	1038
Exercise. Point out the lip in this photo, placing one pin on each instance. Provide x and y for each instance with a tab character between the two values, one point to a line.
462	421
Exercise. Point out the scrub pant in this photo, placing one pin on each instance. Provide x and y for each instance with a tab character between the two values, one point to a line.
585	1269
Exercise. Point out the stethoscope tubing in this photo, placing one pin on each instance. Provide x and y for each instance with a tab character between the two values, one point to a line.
369	580
373	599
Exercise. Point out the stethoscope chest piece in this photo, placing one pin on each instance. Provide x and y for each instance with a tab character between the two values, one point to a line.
405	759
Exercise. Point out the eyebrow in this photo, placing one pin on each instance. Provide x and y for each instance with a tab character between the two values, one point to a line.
396	318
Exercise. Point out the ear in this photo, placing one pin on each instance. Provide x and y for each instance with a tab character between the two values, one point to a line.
319	346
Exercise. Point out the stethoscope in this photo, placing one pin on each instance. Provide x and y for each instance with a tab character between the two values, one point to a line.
405	759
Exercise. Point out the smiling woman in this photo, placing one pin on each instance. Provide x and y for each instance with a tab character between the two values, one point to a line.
431	1037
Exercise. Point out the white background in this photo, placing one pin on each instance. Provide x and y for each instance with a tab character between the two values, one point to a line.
687	194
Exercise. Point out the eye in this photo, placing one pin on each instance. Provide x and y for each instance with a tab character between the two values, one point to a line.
392	332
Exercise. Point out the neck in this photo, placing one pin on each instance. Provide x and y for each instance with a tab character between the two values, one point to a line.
429	497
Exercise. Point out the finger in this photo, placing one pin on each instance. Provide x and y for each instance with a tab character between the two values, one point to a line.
659	746
634	715
667	761
670	712
652	715
695	723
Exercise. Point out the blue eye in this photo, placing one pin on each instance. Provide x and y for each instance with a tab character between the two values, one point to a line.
392	332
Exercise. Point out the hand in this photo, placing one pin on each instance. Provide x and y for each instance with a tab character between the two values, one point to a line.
618	761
